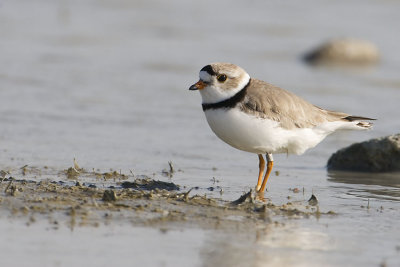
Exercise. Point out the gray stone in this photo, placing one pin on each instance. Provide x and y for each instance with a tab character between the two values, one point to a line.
375	155
344	51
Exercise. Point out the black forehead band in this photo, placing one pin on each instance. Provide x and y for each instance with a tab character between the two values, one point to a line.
208	69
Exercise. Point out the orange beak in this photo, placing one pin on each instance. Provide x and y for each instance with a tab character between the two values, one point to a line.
198	86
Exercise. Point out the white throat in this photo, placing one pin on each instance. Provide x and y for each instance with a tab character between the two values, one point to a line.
214	94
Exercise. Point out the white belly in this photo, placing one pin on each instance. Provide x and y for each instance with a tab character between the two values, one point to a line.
257	135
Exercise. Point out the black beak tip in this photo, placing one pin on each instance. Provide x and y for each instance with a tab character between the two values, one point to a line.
193	87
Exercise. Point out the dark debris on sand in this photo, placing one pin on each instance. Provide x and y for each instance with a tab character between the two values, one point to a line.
149	184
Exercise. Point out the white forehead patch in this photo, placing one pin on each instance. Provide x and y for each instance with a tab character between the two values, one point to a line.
204	76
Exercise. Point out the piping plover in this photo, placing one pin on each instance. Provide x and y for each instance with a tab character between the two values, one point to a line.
261	118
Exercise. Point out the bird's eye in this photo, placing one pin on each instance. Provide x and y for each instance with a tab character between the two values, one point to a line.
221	78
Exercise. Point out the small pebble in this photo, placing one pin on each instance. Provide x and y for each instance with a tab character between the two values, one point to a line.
313	201
109	195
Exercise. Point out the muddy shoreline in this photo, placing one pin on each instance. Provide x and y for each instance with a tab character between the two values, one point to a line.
138	200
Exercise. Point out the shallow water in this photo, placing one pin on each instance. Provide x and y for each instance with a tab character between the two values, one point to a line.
106	82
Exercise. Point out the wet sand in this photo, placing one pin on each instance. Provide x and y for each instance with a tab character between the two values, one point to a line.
141	202
182	225
136	205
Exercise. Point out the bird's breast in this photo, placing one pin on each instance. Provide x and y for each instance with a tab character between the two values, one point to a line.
253	134
245	132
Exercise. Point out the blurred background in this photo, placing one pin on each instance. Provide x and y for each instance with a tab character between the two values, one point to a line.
106	82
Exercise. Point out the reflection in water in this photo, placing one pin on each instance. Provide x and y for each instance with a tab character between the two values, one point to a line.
293	245
376	185
271	245
227	249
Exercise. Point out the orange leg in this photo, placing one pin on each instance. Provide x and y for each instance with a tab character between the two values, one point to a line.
270	164
261	166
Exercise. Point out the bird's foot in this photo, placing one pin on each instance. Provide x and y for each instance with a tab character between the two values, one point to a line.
260	195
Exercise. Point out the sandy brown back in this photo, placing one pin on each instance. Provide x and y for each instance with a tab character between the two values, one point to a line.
269	101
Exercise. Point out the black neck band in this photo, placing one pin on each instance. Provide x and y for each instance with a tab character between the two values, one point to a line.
230	102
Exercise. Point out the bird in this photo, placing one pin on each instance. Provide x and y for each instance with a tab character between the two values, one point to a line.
257	117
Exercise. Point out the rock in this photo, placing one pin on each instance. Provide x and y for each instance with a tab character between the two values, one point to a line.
109	196
344	51
147	183
376	155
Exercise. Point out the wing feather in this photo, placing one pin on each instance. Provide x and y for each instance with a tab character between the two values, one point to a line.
268	101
